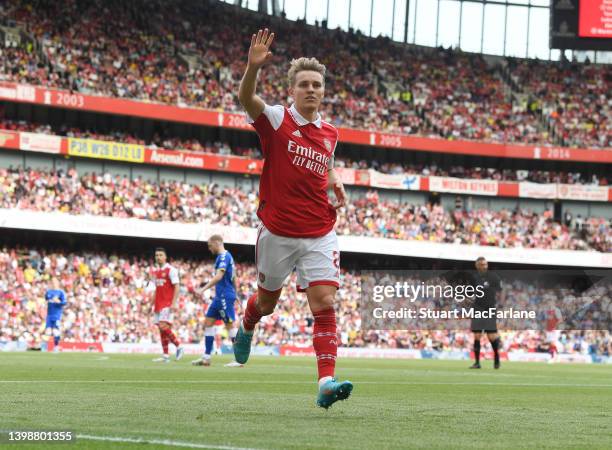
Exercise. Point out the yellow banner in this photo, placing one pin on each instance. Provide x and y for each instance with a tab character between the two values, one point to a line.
117	151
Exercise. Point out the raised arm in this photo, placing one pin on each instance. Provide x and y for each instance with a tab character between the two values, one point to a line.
259	54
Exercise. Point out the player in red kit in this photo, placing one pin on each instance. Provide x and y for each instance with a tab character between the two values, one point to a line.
553	319
166	293
297	216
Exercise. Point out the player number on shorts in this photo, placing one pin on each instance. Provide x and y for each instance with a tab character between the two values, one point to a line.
336	258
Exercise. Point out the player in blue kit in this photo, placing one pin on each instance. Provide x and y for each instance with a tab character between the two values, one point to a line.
56	300
222	306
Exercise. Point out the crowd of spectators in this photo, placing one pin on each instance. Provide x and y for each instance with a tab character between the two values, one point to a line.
371	216
188	53
462	97
109	298
573	98
368	215
223	148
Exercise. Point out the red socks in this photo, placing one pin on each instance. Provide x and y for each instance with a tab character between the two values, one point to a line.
167	336
172	337
164	340
252	315
325	341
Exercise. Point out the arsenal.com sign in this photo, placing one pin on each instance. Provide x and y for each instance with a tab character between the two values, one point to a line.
175	158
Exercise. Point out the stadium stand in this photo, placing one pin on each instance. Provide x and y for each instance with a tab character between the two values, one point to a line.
112	293
223	148
366	216
373	84
153	51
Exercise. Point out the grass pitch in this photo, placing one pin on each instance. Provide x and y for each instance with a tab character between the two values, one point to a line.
270	403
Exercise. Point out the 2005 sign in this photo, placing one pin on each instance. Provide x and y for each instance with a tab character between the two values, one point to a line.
389	140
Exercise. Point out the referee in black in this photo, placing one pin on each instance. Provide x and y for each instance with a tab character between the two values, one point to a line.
491	286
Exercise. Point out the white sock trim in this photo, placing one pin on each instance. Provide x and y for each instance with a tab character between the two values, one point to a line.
324	380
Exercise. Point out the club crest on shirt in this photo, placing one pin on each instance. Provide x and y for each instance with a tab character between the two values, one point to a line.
327	144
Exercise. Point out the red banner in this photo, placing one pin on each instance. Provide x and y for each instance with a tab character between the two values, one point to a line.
204	161
174	158
9	139
64	99
595	19
440	145
233	120
508	189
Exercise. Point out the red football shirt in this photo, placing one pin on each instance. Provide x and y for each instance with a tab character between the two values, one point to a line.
553	318
165	279
293	199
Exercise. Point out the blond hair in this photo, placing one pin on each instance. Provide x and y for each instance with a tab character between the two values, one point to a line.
216	238
303	63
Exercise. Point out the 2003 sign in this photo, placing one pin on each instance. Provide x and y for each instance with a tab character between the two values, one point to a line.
70	100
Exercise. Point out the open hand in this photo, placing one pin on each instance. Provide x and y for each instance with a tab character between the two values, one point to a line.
259	52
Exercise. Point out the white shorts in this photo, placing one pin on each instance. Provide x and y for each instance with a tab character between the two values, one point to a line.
316	260
164	315
553	336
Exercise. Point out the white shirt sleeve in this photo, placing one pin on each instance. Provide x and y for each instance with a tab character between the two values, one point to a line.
275	115
174	275
150	287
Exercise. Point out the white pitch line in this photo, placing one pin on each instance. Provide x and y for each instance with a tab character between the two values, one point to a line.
159	442
386	383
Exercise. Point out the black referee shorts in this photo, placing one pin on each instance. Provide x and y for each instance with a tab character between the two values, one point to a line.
488	325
